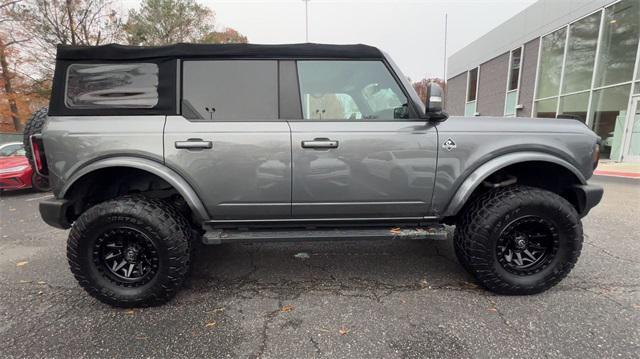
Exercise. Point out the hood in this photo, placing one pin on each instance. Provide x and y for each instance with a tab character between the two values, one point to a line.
513	124
13	161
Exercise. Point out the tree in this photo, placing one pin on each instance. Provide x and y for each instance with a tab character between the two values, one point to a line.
8	39
162	22
227	36
70	22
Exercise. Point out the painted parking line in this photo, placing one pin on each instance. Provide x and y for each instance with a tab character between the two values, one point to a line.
38	198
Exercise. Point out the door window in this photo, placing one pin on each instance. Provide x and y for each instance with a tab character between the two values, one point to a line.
230	90
350	90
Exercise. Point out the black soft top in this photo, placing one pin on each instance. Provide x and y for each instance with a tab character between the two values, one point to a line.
183	50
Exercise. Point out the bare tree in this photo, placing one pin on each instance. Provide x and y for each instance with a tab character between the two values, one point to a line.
8	39
70	22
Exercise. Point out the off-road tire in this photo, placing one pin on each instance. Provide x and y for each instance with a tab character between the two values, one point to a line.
33	126
169	231
482	222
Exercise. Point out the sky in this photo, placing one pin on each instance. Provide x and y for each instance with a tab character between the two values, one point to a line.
410	31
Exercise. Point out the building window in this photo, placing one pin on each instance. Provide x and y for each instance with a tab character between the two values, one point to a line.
581	54
574	106
100	86
472	85
472	92
514	69
546	108
621	30
513	82
608	113
551	58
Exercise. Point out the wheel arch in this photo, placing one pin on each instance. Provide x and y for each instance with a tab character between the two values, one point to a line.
108	166
517	161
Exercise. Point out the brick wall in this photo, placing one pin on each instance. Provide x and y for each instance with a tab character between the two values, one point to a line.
492	86
528	80
456	92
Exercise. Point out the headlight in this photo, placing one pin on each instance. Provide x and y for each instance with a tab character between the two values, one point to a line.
14	169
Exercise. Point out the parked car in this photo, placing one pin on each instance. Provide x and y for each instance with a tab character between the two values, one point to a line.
15	171
150	149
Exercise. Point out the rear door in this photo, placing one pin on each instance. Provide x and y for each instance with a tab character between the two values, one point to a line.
228	143
359	149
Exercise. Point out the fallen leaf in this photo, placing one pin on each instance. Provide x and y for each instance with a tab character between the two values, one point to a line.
287	308
395	230
40	293
343	331
210	324
20	264
130	312
217	310
492	309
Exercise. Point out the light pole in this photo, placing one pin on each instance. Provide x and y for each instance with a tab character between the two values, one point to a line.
306	20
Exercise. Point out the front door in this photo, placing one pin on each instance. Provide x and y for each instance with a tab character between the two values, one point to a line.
359	151
228	143
632	133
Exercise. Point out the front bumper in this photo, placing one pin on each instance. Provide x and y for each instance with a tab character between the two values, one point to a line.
54	212
15	180
588	196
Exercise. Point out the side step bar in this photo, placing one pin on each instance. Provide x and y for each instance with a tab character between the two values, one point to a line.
217	236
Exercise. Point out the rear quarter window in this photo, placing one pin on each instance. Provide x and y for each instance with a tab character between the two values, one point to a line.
100	86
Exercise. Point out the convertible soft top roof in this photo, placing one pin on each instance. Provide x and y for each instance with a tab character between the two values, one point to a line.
183	50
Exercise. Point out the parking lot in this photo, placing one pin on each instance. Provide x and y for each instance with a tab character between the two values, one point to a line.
405	299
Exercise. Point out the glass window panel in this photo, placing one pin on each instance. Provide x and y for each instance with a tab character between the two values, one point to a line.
581	53
94	86
551	63
634	139
514	69
546	108
472	86
609	107
511	102
232	90
349	90
574	106
470	109
619	43
637	88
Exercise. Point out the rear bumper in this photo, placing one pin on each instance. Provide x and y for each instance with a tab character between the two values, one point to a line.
54	212
588	196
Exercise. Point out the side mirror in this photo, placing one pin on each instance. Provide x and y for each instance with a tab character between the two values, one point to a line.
435	97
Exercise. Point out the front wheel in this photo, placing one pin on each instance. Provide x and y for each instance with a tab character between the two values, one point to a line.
131	251
518	239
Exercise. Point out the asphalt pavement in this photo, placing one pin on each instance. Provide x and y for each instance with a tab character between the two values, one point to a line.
395	299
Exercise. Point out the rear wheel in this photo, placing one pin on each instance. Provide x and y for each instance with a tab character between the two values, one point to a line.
519	240
131	251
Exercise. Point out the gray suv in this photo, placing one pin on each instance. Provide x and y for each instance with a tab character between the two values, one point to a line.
152	150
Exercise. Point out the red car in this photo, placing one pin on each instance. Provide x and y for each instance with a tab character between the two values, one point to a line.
15	171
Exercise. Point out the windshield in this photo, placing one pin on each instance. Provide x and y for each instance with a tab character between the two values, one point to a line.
12	150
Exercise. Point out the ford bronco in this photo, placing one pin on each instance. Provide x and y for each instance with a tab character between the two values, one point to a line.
150	150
